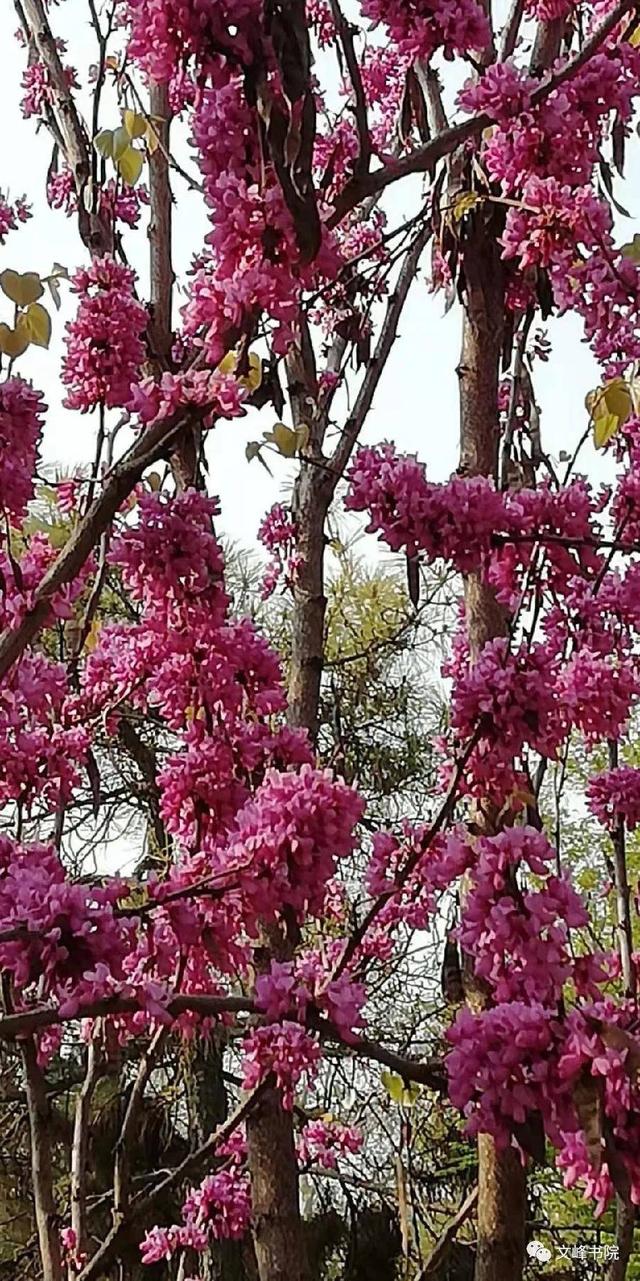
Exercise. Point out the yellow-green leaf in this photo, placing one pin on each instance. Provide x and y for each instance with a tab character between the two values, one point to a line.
134	123
605	427
121	141
614	398
285	440
404	1095
465	203
38	324
21	288
130	165
151	138
103	143
13	341
632	249
253	378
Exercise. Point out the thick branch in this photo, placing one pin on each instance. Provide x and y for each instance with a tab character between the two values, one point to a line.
424	158
94	230
38	1108
151	445
14	1026
161	269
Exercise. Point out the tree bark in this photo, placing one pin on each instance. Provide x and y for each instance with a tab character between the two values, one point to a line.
273	1169
501	1179
47	1221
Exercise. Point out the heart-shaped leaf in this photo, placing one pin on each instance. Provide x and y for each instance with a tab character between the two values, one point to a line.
21	288
13	341
130	165
134	123
103	143
121	141
38	324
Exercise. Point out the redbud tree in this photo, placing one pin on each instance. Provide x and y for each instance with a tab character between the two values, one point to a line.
275	908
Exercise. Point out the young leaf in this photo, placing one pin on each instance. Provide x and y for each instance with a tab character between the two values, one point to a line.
284	439
121	141
130	165
103	143
632	249
38	324
13	341
404	1095
465	203
253	451
21	288
604	429
134	123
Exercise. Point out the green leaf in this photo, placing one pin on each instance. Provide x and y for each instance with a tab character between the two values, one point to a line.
404	1095
632	249
253	450
465	203
103	143
134	123
130	165
21	288
604	429
121	141
38	323
13	341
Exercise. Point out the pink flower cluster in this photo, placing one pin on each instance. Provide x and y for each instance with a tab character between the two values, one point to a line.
21	421
277	533
417	29
282	1049
324	1142
11	215
614	797
104	348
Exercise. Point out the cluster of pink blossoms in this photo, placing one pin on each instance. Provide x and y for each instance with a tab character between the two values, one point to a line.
11	215
104	348
277	533
21	420
614	797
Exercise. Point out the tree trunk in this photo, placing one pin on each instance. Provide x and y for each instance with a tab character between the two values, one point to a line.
278	1235
277	1226
501	1179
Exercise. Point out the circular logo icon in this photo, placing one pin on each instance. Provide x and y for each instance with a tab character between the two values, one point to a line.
536	1250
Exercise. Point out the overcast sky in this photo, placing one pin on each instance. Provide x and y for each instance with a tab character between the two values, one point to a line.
417	402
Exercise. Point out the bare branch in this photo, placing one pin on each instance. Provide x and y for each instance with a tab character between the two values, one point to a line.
122	1172
444	1242
386	339
151	445
80	1147
346	32
425	157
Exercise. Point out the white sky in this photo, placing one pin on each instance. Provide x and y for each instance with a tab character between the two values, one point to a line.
416	403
